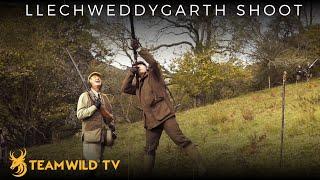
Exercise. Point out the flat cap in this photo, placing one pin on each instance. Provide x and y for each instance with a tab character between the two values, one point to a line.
94	73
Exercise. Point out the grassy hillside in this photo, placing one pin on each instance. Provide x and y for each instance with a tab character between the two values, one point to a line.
239	136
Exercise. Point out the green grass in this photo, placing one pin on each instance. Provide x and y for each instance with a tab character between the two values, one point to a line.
239	136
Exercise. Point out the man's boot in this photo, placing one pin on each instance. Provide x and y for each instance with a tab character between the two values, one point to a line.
194	154
148	164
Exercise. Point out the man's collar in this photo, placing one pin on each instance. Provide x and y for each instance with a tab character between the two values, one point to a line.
95	92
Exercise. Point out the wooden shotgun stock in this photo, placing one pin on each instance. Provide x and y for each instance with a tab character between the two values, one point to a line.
106	114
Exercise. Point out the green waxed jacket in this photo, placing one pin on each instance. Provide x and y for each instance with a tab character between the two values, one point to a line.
151	92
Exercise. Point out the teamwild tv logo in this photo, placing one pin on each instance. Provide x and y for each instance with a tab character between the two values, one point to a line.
18	163
19	166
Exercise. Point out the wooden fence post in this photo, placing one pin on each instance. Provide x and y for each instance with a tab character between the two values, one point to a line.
283	115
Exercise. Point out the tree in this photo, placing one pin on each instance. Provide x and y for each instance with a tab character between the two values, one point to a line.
205	80
39	84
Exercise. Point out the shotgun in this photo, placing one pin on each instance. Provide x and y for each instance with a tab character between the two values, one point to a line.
105	114
133	35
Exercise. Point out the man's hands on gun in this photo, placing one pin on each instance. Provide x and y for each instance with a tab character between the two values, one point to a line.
97	103
134	69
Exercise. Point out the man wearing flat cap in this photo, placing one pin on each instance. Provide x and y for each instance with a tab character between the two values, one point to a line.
93	124
158	111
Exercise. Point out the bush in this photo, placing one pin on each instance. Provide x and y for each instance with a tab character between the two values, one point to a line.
217	118
247	114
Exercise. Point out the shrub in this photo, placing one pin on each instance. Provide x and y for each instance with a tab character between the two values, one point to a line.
247	114
218	117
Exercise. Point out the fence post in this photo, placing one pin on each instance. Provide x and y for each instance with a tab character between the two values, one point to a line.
283	115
